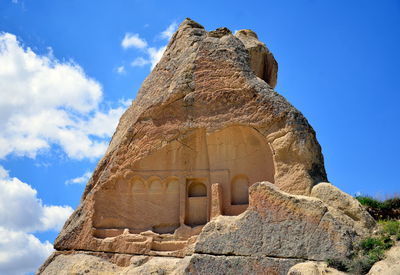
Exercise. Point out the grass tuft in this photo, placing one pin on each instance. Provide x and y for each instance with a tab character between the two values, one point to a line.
388	209
369	250
371	202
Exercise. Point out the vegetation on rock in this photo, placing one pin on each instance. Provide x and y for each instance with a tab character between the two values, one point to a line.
381	210
372	249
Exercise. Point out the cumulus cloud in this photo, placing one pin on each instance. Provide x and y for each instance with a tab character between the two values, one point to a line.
22	210
153	57
45	102
80	180
121	70
133	40
140	62
3	172
154	54
21	252
169	31
21	214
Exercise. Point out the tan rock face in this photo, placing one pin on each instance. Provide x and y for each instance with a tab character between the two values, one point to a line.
313	268
201	117
207	125
390	265
262	61
85	263
278	224
350	208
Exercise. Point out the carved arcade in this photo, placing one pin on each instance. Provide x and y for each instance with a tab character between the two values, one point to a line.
177	201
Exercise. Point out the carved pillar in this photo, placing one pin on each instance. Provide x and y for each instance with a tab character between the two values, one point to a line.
216	200
182	200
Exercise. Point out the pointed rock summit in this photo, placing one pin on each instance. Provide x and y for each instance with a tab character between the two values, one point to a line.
212	168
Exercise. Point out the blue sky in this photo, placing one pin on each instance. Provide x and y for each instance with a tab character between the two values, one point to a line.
69	68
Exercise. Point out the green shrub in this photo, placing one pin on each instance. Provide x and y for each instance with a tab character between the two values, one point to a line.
393	203
372	249
361	265
370	243
376	245
387	242
376	254
369	201
388	209
391	227
368	251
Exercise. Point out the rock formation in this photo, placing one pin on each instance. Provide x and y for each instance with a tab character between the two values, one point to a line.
388	266
210	171
313	268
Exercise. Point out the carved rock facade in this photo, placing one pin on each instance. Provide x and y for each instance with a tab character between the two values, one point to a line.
206	125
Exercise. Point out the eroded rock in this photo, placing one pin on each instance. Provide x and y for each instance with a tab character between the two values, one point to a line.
278	224
390	265
313	268
346	204
201	117
84	263
173	186
262	61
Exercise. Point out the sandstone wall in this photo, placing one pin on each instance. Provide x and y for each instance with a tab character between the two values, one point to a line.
207	125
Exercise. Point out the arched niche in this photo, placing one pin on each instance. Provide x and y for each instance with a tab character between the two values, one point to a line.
172	185
196	203
197	189
139	205
240	190
239	156
138	185
155	185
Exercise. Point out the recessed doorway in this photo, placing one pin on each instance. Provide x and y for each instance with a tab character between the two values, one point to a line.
196	203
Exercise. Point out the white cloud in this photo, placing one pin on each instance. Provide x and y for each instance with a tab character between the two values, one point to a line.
3	173
21	210
140	62
154	54
22	213
45	102
169	31
80	180
21	252
125	102
133	40
121	70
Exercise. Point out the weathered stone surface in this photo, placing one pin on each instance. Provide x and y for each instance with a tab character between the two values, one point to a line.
313	268
262	61
83	263
78	264
346	204
201	117
206	125
233	265
390	265
278	224
216	203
